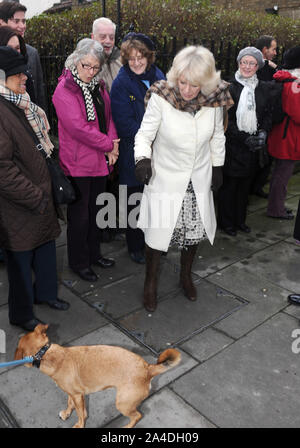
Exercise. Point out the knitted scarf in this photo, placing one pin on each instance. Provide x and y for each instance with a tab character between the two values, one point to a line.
34	114
220	97
87	89
246	118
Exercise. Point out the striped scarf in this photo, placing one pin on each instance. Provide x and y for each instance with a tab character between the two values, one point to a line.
34	114
220	97
87	89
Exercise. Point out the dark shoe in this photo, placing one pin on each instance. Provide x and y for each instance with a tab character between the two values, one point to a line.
244	228
104	262
230	231
294	299
138	257
87	274
289	211
288	216
261	194
29	325
57	304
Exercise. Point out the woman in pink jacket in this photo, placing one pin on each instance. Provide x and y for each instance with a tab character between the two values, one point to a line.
88	145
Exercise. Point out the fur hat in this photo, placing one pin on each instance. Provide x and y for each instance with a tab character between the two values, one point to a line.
252	51
291	58
12	62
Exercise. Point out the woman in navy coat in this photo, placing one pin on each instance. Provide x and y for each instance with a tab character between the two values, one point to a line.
127	102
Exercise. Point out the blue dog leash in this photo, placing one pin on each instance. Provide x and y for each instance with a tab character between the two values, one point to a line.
18	362
34	360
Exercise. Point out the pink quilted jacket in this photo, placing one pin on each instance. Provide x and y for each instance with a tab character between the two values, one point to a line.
81	144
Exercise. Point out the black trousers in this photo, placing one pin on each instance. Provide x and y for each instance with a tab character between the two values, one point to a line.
83	234
134	236
233	200
23	292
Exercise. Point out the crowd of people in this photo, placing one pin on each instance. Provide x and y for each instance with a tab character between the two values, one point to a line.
180	140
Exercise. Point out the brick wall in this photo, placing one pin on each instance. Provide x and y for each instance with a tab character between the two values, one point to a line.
290	8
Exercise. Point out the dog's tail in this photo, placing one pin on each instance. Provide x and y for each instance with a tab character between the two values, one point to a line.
166	360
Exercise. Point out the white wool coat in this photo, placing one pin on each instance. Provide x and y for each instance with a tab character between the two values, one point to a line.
182	147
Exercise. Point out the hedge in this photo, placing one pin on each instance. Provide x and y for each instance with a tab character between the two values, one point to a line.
193	19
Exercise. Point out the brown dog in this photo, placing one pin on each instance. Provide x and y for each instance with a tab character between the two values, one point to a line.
85	369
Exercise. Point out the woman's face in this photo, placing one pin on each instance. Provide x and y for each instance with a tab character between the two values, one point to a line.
137	62
187	91
87	68
14	43
17	83
248	66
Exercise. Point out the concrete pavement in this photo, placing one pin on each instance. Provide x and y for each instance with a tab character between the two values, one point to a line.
238	368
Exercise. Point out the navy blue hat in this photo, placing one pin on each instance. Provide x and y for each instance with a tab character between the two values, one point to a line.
142	38
12	62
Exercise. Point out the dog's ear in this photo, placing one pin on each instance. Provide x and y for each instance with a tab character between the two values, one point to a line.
18	353
41	329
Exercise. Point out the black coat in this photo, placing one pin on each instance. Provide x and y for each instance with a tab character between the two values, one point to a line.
239	161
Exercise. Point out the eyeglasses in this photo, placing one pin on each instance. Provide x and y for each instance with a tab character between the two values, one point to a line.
17	21
137	59
248	64
88	67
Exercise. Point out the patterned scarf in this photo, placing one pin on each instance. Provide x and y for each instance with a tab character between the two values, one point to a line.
246	118
34	114
218	98
87	89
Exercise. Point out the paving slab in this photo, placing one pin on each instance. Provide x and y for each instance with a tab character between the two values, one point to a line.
278	264
264	298
206	344
166	410
269	230
253	383
125	295
162	329
224	252
124	268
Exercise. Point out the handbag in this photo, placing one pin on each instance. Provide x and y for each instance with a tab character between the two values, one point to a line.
62	189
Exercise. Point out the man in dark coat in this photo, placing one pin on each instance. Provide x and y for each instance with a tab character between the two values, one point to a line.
13	15
268	46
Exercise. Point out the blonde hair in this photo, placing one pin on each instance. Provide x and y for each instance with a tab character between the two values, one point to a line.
197	65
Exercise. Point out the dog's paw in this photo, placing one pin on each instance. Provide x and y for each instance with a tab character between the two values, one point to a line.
64	415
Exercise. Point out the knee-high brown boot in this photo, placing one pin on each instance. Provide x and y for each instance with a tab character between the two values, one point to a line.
186	261
150	285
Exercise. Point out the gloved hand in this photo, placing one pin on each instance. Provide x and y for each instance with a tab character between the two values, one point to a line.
217	178
262	137
255	142
252	142
143	171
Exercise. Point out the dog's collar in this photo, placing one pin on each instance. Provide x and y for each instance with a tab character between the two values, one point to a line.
39	355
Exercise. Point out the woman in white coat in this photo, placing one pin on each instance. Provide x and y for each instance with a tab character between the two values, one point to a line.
179	154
